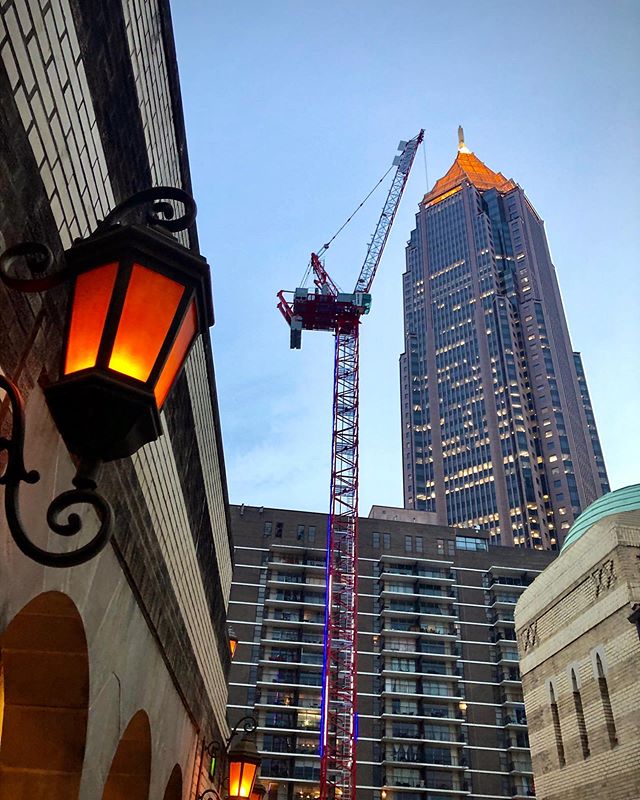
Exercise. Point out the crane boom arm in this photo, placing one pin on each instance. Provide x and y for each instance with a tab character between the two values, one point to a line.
379	239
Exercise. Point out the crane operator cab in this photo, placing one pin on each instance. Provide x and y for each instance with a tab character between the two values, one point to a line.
320	311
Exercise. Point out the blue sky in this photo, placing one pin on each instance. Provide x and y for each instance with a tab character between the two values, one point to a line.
293	112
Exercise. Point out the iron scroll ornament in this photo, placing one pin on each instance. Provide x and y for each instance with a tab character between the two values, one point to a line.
217	749
152	208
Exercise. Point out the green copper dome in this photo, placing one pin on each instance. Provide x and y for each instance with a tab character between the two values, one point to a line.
625	499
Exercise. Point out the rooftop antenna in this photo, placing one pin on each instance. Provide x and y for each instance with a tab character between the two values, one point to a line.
462	147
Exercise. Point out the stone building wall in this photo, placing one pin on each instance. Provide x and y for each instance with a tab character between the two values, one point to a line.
90	112
573	620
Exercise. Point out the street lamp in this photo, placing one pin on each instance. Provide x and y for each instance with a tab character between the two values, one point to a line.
233	641
241	763
139	299
244	761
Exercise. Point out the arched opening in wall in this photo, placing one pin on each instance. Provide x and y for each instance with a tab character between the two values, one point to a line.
174	787
582	727
130	772
606	703
44	696
557	730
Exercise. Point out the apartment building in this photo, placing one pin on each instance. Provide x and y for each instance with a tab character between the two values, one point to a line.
440	707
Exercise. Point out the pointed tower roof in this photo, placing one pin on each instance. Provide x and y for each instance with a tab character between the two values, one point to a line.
467	167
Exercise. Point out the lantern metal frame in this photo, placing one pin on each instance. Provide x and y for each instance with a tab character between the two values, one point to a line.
222	750
145	217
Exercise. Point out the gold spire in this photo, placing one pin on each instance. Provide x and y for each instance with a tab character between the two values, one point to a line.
462	147
466	168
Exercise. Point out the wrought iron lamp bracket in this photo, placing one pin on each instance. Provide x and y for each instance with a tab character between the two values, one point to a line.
218	749
246	724
150	207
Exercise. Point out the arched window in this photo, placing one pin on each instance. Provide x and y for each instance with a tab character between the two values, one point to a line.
557	731
582	728
606	703
44	697
130	772
174	786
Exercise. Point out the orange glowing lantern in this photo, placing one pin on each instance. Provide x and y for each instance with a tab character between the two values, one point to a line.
139	301
233	641
244	761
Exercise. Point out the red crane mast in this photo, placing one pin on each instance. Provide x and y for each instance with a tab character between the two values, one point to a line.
329	309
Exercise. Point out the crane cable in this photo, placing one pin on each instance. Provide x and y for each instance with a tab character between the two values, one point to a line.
326	246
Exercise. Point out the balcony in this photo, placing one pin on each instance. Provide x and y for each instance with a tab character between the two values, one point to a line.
296	558
520	766
425	760
448	784
286	617
511	676
423	627
501	600
516	741
295	679
286	577
501	617
502	635
429	693
425	712
515	720
498	577
513	699
296	597
415	732
422	569
433	649
503	655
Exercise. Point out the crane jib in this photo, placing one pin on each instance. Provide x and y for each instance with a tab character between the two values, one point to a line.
379	239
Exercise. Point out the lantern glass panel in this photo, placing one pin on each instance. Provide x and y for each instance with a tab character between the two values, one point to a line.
91	298
148	311
241	777
185	336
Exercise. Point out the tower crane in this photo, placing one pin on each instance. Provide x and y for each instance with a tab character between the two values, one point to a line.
328	309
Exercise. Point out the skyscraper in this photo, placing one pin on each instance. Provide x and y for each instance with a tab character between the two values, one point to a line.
497	426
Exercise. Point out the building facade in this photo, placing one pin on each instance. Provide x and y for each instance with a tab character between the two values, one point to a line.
578	630
440	705
497	426
113	673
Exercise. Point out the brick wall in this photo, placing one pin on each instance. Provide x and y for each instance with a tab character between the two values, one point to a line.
91	112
